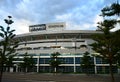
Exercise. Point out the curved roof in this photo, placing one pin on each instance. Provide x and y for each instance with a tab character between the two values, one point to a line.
64	34
59	32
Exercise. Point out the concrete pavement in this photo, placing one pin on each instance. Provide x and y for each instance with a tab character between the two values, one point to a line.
49	77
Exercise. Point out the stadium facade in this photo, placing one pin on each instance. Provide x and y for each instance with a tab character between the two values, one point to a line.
45	39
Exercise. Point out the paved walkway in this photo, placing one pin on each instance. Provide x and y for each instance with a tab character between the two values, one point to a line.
35	77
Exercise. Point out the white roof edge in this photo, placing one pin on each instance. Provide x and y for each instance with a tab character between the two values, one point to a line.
57	32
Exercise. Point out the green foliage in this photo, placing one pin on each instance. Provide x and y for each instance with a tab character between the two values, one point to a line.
55	55
86	63
9	61
54	62
118	62
7	46
111	10
9	21
117	47
108	43
28	63
106	25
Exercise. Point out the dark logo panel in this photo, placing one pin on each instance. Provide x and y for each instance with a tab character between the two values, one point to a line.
37	27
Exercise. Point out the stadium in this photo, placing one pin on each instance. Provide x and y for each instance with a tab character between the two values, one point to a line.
45	39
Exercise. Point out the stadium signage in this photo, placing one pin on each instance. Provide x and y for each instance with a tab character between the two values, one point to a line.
37	27
55	26
49	26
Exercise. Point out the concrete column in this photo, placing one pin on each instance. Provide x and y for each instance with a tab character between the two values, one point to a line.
38	59
118	70
74	64
16	67
95	65
55	69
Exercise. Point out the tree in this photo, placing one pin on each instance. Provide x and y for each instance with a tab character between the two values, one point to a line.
117	44
7	46
54	62
113	9
108	43
118	58
9	62
28	63
87	62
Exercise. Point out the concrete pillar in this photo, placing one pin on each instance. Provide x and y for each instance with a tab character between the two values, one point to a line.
38	59
16	67
74	64
118	70
95	65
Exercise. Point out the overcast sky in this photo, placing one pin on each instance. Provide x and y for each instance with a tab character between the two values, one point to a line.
78	14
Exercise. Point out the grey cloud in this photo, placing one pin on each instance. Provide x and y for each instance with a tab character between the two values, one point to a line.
44	11
49	9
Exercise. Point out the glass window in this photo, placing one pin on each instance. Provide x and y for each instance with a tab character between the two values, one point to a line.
105	69
77	60
79	69
33	54
35	59
61	60
45	69
44	54
68	61
100	61
68	69
92	60
44	60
